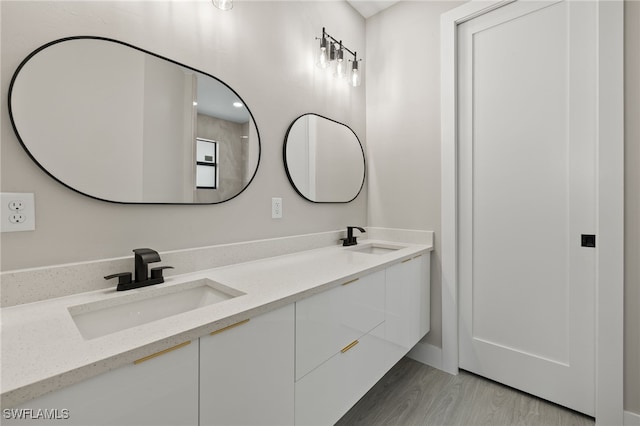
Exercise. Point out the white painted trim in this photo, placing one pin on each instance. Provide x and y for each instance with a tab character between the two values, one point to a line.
610	264
631	419
609	321
449	22
427	354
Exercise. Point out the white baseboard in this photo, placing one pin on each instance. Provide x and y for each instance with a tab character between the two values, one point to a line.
428	354
631	419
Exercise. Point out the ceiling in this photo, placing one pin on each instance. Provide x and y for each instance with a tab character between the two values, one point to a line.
369	8
215	99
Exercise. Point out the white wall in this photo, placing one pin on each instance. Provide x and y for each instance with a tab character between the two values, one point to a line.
403	126
403	138
264	50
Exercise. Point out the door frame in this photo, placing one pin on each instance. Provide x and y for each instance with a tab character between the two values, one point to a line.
610	207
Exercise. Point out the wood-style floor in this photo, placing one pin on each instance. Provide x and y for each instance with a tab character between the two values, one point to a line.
412	393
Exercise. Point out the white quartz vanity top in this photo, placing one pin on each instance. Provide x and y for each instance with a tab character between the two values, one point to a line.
42	350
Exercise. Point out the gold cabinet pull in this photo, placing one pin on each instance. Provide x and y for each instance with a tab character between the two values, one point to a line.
352	281
213	333
417	256
349	346
406	260
157	354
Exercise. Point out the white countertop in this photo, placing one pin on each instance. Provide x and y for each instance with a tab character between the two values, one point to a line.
42	350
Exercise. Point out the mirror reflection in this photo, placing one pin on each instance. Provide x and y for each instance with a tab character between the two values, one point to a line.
116	123
324	159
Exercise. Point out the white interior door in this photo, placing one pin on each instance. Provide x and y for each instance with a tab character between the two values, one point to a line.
527	192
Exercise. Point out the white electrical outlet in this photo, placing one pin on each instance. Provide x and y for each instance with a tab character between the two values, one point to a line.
18	212
276	208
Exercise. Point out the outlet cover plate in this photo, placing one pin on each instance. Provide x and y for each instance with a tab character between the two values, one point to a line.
27	211
276	208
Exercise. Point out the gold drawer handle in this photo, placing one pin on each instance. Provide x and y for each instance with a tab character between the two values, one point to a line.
406	260
352	281
349	346
213	333
418	256
173	348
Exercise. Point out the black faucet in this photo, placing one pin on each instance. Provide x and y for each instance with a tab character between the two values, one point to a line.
143	256
351	240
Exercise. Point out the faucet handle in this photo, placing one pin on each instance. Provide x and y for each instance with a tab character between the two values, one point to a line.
123	277
157	272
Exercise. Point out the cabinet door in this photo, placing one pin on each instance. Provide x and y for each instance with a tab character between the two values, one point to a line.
159	391
407	302
328	321
246	372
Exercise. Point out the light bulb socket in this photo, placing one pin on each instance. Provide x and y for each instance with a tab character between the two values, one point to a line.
332	52
323	43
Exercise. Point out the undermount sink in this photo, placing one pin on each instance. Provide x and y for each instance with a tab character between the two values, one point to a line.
104	317
376	248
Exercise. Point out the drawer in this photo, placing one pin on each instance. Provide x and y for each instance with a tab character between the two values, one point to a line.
328	392
327	322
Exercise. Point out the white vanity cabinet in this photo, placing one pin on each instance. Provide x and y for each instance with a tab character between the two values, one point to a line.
304	363
157	390
247	372
347	338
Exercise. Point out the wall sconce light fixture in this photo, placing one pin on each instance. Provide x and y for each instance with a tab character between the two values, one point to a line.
223	4
331	54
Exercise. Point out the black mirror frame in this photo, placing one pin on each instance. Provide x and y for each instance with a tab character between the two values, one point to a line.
286	167
24	146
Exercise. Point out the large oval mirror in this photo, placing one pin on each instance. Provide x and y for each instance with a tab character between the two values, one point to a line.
120	124
324	159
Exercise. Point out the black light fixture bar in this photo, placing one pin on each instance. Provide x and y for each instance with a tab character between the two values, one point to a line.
325	34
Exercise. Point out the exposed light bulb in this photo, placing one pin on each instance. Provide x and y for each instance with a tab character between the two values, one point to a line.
223	4
341	66
323	55
355	74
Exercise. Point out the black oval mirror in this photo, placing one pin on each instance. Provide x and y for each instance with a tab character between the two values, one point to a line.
120	124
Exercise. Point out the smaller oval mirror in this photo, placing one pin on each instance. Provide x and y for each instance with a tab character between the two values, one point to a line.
324	159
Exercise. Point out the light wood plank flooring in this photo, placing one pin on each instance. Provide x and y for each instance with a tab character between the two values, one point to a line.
412	393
